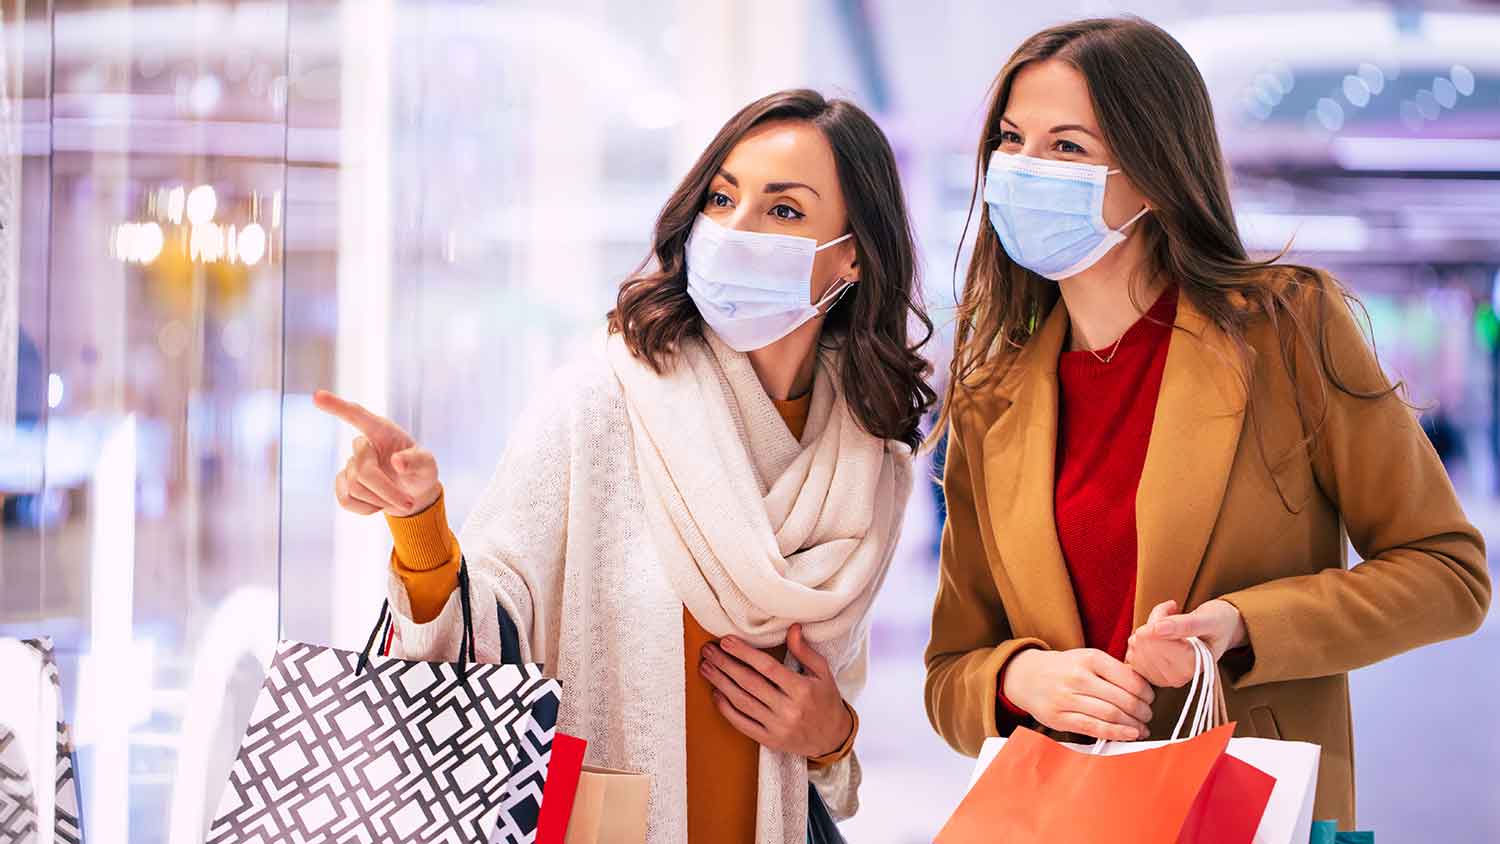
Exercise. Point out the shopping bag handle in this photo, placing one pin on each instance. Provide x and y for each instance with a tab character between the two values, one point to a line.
466	648
1210	710
1205	698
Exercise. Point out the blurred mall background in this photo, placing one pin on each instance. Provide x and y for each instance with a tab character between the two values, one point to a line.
211	209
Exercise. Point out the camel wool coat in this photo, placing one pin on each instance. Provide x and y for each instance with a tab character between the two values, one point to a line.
1248	501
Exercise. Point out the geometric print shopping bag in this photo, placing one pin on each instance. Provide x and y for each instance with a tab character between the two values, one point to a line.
402	752
36	750
344	747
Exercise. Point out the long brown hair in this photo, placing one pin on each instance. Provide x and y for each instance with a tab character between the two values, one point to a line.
1154	110
882	376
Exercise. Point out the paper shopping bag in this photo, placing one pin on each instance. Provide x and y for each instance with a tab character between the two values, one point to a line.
1287	818
1327	832
356	749
38	789
583	804
1038	791
563	773
610	807
403	751
1293	764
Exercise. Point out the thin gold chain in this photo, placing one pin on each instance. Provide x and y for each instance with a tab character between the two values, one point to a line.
1112	352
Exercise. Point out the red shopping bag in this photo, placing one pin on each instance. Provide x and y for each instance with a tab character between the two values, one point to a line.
1037	791
563	772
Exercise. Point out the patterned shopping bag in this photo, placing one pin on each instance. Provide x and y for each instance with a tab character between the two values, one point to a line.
36	749
348	747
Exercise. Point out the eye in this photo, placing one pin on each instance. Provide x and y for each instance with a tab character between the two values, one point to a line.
1069	148
719	199
786	212
1009	137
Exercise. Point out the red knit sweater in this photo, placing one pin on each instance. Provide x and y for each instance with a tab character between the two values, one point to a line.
1105	411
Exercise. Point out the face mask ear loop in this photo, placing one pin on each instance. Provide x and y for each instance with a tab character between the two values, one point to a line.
833	299
1139	214
834	242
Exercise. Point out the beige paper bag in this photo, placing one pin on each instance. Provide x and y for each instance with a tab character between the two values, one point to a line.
610	807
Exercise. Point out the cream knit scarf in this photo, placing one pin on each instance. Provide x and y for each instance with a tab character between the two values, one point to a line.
758	531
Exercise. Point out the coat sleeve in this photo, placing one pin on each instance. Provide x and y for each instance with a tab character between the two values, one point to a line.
971	635
514	543
1424	577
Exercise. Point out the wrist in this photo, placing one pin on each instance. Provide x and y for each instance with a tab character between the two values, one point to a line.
845	726
843	729
1239	635
1013	675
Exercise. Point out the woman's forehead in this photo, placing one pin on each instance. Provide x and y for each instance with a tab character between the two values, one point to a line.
784	151
1047	94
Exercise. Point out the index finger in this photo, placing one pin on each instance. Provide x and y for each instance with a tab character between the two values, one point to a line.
1123	676
369	424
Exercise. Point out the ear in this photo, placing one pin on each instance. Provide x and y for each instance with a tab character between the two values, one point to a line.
851	267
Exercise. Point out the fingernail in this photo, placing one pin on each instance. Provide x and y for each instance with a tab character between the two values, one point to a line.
708	651
728	643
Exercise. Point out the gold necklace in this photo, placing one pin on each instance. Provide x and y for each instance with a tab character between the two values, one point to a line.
1112	352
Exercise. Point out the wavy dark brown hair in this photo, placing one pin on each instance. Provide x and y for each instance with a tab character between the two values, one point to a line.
1154	111
882	375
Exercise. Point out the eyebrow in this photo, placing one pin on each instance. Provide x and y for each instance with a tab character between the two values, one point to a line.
1066	127
772	187
783	187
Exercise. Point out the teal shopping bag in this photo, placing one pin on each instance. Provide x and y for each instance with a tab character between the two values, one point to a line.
1326	832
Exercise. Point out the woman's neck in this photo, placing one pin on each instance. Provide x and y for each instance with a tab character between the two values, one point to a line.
786	367
1102	307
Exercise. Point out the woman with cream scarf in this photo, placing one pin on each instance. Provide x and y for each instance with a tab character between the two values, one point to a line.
690	525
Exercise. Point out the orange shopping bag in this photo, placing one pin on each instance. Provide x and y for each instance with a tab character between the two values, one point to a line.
1188	791
1037	791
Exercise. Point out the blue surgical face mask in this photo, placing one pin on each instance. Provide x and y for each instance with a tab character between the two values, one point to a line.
1049	215
754	288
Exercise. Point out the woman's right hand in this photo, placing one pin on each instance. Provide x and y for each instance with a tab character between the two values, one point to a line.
1083	691
388	472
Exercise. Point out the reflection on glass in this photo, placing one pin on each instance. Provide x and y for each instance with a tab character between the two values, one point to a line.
142	483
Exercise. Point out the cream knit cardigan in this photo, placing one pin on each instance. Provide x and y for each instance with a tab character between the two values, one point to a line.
560	538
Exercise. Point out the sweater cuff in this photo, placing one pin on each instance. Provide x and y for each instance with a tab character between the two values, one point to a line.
422	540
844	749
1011	709
426	559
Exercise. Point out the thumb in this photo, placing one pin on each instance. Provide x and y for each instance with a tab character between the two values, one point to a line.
1183	626
413	461
1161	611
797	644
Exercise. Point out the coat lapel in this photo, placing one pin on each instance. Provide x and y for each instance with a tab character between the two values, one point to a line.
1194	437
1019	461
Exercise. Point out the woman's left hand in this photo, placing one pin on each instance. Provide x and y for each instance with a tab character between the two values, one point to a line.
1159	650
795	713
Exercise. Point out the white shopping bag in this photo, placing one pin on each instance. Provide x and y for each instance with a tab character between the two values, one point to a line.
1288	816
